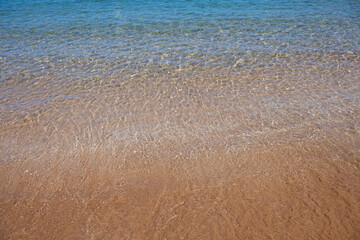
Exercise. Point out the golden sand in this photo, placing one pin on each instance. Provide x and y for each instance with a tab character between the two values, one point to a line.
272	154
282	191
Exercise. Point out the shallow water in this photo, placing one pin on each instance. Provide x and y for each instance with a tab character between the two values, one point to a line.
186	119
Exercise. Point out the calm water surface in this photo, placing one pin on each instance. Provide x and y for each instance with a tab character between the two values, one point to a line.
134	86
89	63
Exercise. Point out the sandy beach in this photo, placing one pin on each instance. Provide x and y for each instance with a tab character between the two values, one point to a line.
239	174
281	191
179	119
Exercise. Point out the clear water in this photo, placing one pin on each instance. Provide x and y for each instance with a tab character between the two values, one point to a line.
54	53
141	83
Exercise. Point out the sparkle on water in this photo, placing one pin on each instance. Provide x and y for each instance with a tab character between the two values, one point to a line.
180	119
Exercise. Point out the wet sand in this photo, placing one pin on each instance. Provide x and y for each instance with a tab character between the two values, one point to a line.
179	119
282	191
265	154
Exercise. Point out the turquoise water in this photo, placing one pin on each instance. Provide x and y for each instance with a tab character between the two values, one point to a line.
134	67
51	36
187	119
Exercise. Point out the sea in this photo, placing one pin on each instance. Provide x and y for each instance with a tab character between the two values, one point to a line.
193	119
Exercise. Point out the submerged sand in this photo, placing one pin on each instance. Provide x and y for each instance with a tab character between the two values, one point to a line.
275	191
265	154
